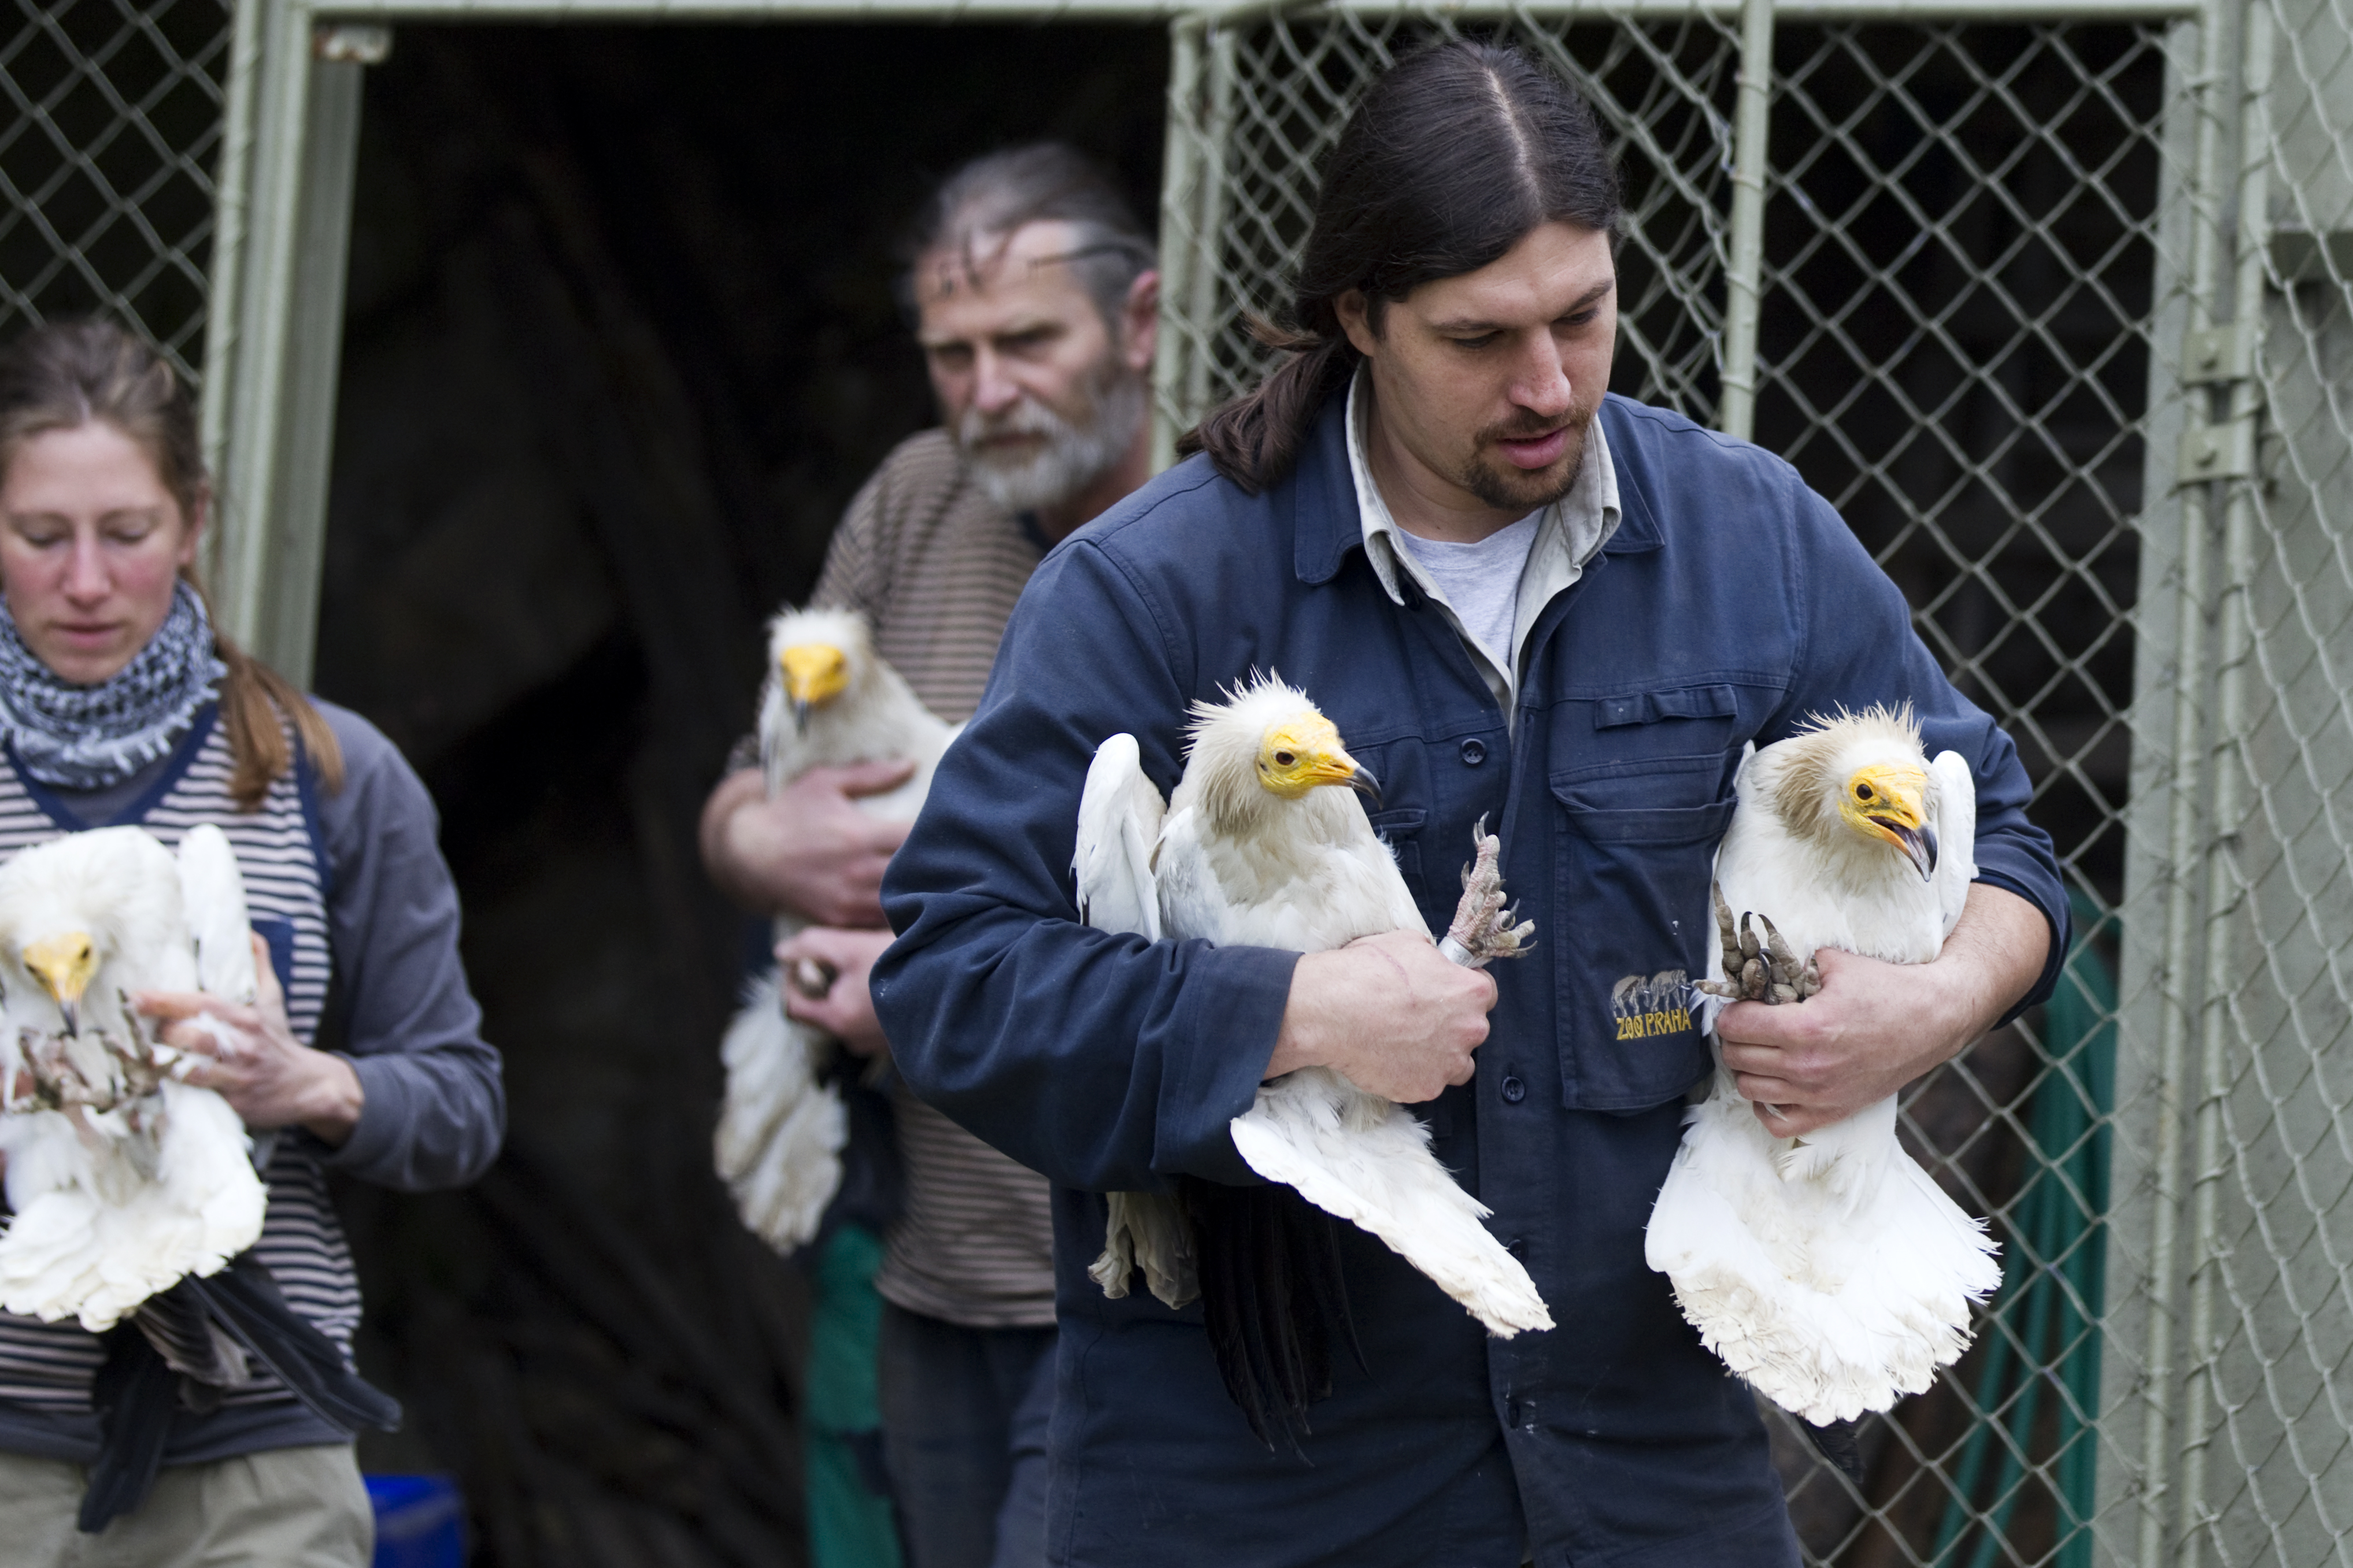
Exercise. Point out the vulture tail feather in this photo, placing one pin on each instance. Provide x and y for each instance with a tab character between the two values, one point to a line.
1837	1442
133	1389
1273	1299
245	1300
1332	1286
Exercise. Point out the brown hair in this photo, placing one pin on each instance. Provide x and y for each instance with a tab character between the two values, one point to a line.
66	374
1452	157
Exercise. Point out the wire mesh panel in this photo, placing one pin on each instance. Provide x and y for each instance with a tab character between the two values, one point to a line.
2270	1418
1961	256
1272	103
1960	262
112	121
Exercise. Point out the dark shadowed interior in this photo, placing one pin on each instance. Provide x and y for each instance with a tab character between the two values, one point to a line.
621	341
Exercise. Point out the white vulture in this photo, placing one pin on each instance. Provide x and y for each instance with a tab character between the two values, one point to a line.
1254	848
123	1179
1828	1270
830	700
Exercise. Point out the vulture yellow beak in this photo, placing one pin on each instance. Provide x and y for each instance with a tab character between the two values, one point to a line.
1304	753
64	964
1892	804
814	673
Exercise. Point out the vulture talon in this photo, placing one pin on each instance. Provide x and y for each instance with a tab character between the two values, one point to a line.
1780	964
1726	932
1483	928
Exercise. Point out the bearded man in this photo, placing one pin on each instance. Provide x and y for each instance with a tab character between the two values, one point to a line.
1034	298
1523	600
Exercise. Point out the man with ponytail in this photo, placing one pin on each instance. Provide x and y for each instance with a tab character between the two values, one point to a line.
121	703
1521	599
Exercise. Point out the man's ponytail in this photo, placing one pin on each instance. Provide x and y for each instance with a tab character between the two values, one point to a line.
1254	439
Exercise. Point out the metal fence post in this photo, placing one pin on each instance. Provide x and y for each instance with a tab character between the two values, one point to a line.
2225	891
2209	202
1209	207
229	203
1742	278
287	338
1179	244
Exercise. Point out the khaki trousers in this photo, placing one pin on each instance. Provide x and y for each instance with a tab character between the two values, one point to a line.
301	1508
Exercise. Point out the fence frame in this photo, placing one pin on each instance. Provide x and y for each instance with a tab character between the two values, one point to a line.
272	350
273	345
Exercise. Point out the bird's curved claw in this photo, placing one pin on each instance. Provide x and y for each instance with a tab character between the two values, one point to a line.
1483	928
1728	937
1757	969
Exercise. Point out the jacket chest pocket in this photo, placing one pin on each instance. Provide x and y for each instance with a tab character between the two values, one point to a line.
1401	831
1635	857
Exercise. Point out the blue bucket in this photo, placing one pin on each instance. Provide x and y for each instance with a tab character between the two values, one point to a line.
420	1522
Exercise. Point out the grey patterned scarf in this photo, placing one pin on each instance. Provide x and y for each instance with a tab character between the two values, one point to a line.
88	737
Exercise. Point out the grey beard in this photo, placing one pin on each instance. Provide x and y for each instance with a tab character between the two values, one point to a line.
1075	456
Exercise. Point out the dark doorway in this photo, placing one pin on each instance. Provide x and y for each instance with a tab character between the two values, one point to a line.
621	342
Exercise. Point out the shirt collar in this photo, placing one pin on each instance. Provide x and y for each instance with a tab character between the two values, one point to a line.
1573	528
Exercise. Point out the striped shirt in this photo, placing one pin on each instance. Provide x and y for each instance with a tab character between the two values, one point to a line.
937	567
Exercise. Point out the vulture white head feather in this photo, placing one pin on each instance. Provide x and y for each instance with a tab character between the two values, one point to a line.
829	699
1265	842
123	1178
1830	1271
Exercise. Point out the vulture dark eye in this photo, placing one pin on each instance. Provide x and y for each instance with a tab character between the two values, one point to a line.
1862	792
1283	759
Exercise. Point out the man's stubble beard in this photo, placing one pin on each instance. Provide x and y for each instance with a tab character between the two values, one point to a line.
1076	453
1518	490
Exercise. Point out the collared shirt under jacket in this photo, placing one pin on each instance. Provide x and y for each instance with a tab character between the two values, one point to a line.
1729	604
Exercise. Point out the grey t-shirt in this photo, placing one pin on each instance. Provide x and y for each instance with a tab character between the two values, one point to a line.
1481	580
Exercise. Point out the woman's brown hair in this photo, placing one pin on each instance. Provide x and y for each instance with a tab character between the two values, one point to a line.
64	375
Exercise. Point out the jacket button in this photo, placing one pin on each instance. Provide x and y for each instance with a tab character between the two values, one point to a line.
1514	1091
1473	753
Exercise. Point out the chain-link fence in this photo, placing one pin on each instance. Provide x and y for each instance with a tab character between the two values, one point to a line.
106	146
1985	251
2058	309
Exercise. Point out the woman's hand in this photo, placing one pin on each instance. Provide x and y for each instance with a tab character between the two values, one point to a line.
249	1057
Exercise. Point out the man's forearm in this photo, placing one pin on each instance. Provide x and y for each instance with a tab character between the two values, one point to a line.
1874	1026
1997	950
736	790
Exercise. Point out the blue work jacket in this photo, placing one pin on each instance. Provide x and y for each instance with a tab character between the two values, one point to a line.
1730	604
